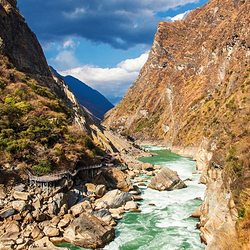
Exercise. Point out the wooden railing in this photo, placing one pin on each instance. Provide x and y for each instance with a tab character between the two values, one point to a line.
59	175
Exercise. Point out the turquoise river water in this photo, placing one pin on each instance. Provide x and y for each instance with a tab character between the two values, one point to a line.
167	225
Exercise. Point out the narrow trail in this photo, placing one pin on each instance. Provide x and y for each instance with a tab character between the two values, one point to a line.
59	175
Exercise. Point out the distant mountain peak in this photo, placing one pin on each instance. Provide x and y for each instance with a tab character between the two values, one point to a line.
90	98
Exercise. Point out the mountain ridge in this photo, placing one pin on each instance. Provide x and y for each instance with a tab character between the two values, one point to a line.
193	96
90	98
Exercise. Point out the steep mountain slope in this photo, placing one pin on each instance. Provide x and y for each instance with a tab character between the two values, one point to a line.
42	125
193	95
19	43
95	102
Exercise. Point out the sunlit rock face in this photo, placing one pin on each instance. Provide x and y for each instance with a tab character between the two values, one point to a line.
193	95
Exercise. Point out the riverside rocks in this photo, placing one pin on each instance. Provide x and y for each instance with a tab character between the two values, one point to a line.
89	232
100	190
76	212
166	179
30	224
44	243
21	195
7	212
19	205
113	199
115	178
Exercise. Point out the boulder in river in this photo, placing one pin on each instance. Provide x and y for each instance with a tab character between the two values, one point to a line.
166	179
89	232
115	178
130	205
113	199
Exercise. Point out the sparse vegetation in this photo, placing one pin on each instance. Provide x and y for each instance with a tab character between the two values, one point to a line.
35	124
44	167
242	213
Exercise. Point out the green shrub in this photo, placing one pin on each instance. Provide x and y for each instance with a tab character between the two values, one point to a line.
8	65
42	91
25	79
44	167
22	93
58	106
231	154
69	139
242	213
17	145
6	133
9	100
3	84
9	113
24	107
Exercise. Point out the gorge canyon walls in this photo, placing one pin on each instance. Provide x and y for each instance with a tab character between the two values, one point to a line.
192	95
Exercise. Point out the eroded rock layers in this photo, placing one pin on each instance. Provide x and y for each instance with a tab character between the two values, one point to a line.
193	95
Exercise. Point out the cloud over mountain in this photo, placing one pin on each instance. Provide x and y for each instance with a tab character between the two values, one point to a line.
110	81
121	24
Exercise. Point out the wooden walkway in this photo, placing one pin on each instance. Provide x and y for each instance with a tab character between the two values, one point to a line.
58	175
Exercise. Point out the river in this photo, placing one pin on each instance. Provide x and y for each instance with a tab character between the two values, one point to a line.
167	225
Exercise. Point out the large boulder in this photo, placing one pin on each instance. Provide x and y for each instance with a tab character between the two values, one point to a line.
121	200
77	209
89	232
113	199
166	179
64	222
21	195
51	231
19	205
115	178
100	190
7	212
52	208
130	205
61	199
44	243
73	196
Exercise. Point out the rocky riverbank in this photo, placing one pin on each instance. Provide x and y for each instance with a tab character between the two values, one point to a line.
73	211
218	213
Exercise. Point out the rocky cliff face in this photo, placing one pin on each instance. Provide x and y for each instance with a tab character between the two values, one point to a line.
193	95
19	43
42	122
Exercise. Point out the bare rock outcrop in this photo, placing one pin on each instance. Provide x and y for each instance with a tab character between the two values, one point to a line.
195	87
166	179
89	232
113	199
115	178
45	243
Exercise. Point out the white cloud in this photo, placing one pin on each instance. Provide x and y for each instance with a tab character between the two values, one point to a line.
64	60
134	64
48	46
109	81
177	17
69	44
75	14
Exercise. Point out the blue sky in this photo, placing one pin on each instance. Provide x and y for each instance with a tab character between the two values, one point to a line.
101	42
